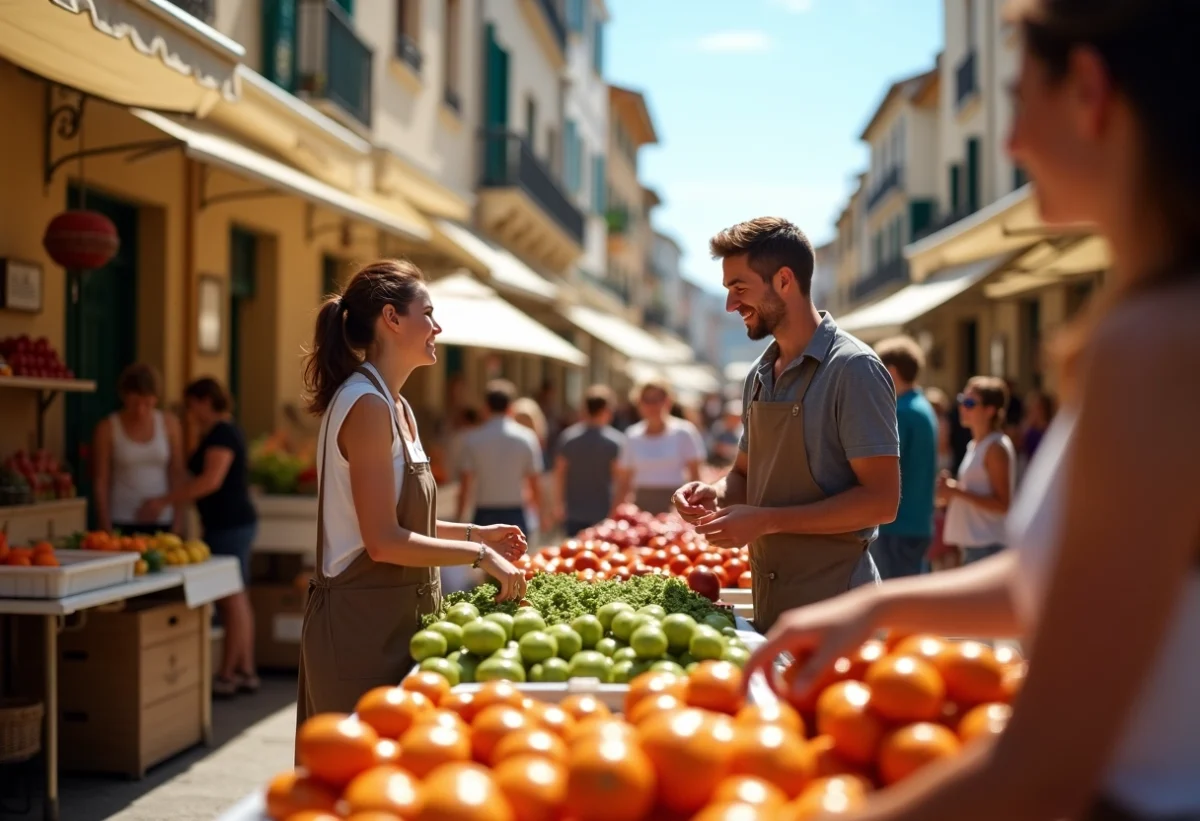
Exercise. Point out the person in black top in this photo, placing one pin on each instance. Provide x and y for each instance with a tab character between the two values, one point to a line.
220	488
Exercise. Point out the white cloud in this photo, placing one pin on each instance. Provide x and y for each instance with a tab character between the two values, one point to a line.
794	6
734	42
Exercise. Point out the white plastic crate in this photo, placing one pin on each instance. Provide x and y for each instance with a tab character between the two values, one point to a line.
80	571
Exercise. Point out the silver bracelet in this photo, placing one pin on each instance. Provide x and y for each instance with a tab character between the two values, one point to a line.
479	559
469	529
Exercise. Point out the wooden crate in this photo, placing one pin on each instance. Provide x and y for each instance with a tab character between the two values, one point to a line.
131	688
44	520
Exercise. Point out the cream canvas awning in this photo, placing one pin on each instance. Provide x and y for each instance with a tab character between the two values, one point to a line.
146	53
484	256
207	146
474	316
623	336
889	315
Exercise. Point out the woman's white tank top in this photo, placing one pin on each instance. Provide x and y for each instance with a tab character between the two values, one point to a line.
969	525
140	471
1155	769
343	538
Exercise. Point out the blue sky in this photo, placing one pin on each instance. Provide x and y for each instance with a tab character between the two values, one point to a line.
759	103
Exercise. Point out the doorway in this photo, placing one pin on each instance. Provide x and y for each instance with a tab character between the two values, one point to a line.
101	331
243	263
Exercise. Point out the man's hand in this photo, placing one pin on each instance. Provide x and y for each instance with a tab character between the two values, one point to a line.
733	526
695	500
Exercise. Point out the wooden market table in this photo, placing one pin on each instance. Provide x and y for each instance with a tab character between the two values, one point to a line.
201	585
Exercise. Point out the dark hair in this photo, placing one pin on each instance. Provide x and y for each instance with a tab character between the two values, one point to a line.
346	325
904	354
1148	48
499	395
993	393
207	389
138	379
769	243
470	416
597	400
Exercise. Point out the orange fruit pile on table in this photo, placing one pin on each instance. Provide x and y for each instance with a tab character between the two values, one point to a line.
40	554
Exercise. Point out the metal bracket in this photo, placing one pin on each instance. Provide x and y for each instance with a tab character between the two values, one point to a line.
312	230
230	196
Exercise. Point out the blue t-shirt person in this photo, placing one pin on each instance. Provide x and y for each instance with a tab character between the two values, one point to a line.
918	467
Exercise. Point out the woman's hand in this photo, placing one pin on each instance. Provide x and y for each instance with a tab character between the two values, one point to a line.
947	486
507	540
151	509
508	576
816	636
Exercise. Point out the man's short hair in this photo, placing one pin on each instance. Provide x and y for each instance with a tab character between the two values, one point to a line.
769	243
500	395
597	400
904	354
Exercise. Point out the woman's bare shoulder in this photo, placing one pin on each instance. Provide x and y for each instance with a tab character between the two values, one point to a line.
1161	322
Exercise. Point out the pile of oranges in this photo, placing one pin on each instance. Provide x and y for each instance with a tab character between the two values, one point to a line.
103	540
683	749
37	555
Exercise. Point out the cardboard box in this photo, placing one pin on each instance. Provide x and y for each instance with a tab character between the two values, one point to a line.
278	616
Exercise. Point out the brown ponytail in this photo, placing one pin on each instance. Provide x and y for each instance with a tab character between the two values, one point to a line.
346	325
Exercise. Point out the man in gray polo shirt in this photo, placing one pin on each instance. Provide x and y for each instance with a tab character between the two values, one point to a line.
818	465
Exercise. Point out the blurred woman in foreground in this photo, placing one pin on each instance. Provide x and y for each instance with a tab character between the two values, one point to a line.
1103	571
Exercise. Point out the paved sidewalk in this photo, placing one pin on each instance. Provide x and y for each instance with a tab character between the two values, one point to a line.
253	740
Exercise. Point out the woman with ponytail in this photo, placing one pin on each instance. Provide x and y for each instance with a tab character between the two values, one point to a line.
1102	572
379	543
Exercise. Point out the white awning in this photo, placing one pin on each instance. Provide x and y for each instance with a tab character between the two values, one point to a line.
473	315
694	377
133	52
889	315
207	146
738	371
622	336
508	272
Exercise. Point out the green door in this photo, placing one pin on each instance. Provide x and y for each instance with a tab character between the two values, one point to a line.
101	331
243	262
496	109
279	42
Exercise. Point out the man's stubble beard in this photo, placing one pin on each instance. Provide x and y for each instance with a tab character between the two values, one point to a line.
768	316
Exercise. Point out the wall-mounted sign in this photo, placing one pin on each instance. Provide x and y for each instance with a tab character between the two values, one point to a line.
20	286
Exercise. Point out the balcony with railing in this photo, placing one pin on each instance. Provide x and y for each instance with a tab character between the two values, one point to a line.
891	272
334	62
655	314
889	182
609	284
966	79
509	162
942	221
202	10
409	53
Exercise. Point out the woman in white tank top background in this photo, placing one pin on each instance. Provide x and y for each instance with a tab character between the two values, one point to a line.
137	455
977	501
1102	574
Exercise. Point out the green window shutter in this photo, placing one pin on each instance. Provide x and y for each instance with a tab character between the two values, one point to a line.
279	42
920	217
495	167
955	188
576	15
598	46
347	6
1019	177
599	185
571	149
972	175
243	262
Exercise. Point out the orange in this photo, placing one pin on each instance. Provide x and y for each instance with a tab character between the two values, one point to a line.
552	717
463	703
905	689
894	639
776	755
443	718
828	761
746	789
582	706
45	559
391	710
922	646
384	789
972	673
497	692
601	726
387	751
691	754
429	684
314	815
427	746
16	559
651	684
736	811
843	713
806	702
716	686
910	748
1008	655
490	726
775	712
293	791
855	665
984	720
462	792
609	778
827	796
647	707
1014	677
335	747
372	815
533	741
535	787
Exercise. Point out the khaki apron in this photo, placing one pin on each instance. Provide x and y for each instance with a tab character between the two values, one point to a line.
358	624
790	570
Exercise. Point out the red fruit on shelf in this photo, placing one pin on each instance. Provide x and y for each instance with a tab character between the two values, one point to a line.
703	581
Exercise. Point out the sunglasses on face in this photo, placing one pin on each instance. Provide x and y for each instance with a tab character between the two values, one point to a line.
968	402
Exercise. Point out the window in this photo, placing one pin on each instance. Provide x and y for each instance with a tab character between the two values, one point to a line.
598	46
1019	177
572	161
577	15
452	54
970	25
531	122
408	39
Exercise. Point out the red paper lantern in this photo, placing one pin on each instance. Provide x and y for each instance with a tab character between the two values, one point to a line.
81	239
